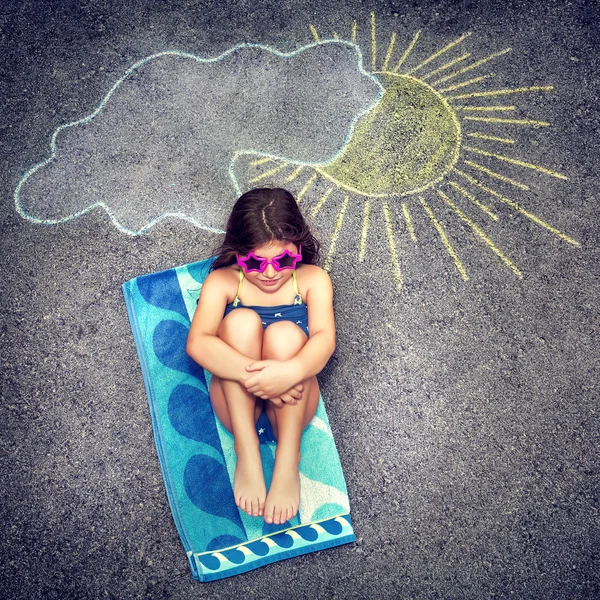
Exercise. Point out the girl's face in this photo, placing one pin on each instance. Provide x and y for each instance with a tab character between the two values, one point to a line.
271	280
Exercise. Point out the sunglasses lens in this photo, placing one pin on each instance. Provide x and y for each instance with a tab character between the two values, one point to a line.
252	264
286	261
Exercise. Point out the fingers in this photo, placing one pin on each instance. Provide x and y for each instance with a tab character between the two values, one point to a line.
289	399
257	365
251	386
276	401
257	391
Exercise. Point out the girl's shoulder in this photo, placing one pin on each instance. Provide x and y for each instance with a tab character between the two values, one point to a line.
223	282
312	276
311	271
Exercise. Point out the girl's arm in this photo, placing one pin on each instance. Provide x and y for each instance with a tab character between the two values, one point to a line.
269	377
314	355
203	345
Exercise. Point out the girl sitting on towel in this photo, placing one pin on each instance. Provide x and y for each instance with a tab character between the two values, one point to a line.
264	328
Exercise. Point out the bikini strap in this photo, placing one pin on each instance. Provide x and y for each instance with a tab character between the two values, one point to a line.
236	300
298	298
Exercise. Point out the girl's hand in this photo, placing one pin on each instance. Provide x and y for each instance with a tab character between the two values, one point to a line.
292	396
271	378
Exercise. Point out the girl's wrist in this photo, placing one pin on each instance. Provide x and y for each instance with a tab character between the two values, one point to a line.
296	370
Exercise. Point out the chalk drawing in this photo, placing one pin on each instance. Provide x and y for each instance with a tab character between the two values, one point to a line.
165	140
387	213
408	152
182	136
365	230
336	231
444	238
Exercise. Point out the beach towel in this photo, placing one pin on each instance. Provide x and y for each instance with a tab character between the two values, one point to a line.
196	452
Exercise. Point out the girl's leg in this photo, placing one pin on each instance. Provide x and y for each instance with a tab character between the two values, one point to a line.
219	404
282	341
236	409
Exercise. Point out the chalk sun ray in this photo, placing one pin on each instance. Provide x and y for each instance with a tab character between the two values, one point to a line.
261	161
518	208
364	231
519	163
444	238
270	173
315	211
389	53
336	232
470	67
306	187
387	213
408	220
484	207
503	92
295	174
407	52
373	42
478	231
439	53
508	121
495	175
468	108
448	65
464	83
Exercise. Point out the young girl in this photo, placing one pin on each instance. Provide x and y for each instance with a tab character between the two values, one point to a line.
264	328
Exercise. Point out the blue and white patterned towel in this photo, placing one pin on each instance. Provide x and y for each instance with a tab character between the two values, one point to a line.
196	452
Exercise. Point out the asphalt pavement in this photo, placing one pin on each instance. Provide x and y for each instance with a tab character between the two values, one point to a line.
463	393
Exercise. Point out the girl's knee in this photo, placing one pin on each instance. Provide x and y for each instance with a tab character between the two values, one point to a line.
242	329
282	340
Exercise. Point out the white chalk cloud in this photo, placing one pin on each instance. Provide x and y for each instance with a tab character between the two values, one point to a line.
165	139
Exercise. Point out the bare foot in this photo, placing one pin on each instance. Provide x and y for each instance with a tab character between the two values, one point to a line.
283	498
249	481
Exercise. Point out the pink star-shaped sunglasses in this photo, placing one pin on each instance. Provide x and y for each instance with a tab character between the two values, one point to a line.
251	263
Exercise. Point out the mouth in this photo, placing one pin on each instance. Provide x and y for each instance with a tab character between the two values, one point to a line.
269	282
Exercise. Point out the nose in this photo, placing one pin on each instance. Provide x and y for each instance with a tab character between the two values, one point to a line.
270	272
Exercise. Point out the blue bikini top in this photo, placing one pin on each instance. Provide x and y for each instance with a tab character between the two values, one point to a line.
296	310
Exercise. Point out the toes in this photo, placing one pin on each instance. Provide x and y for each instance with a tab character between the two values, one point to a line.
269	515
255	507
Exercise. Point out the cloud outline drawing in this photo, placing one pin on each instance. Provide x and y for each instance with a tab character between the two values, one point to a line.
248	52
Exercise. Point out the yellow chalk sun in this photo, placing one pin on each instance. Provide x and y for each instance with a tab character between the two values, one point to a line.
409	151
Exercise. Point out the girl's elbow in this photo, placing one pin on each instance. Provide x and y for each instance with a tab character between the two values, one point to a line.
332	345
193	349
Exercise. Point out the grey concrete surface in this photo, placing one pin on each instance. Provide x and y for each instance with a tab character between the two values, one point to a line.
465	412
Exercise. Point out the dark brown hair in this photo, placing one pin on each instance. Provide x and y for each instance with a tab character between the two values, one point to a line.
261	216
